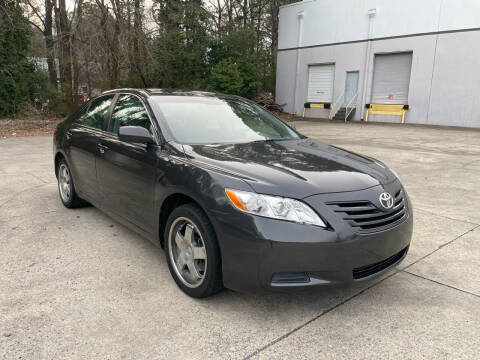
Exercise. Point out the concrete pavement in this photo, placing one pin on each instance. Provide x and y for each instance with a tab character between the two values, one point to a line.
76	284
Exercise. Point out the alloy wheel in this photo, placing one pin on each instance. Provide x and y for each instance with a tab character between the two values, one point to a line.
187	252
64	183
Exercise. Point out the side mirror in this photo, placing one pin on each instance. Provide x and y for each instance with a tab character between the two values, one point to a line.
135	134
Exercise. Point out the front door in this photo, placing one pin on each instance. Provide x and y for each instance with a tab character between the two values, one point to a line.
126	171
351	86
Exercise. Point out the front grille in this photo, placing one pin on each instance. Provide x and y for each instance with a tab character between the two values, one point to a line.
367	217
364	271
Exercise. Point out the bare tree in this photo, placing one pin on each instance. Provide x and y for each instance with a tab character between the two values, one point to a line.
44	24
66	29
117	45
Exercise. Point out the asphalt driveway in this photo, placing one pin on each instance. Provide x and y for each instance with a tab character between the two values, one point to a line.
77	284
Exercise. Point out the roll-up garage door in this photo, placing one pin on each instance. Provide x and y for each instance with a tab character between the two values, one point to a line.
320	83
391	78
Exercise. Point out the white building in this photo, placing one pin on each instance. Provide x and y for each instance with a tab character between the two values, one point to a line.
420	53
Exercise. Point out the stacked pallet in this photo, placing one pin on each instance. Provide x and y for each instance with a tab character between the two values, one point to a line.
266	100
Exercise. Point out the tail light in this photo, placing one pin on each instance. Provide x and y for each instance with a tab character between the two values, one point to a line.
54	132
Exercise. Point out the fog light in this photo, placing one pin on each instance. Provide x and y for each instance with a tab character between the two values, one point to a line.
291	277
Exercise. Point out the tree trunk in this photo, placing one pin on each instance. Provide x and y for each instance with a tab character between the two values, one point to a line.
245	13
229	6
137	49
65	60
48	35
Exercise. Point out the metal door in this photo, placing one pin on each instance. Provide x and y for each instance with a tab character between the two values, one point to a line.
391	78
351	86
320	83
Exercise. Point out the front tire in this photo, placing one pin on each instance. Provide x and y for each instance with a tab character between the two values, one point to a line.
66	188
192	251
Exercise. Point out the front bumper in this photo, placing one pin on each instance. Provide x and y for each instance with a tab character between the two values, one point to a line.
337	262
261	254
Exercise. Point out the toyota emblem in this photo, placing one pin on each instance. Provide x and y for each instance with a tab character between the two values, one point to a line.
386	200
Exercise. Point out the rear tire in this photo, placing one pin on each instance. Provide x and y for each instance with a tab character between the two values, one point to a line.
66	188
192	251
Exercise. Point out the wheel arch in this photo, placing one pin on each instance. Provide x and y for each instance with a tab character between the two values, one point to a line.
171	202
58	157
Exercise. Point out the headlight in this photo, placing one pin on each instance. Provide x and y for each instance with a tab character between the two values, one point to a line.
274	207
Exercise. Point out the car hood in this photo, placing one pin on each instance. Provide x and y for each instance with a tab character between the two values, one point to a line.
293	168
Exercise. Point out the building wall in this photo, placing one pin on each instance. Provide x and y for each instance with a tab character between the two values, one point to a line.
455	95
333	21
445	76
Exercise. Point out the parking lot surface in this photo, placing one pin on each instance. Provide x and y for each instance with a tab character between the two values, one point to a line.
75	284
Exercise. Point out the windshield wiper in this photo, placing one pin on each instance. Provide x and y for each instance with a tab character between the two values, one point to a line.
267	140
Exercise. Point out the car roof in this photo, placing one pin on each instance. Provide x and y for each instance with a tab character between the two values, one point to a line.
157	91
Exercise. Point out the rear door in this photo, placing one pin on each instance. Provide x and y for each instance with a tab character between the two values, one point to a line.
126	171
81	145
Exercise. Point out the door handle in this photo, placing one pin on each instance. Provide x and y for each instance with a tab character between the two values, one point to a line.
68	135
102	148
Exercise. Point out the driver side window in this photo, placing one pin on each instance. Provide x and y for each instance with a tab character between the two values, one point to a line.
128	111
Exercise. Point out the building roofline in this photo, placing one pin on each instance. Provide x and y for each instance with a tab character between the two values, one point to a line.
296	3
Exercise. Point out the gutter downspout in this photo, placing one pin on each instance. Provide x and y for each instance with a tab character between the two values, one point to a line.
371	15
300	16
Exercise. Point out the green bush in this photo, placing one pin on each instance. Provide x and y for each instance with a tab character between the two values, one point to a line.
20	81
226	78
238	79
235	64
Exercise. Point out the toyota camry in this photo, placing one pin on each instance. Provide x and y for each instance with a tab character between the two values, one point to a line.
235	196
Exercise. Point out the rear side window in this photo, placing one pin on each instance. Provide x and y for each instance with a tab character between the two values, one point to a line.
96	113
128	111
77	114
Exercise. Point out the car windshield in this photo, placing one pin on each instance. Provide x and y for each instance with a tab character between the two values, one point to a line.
210	120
